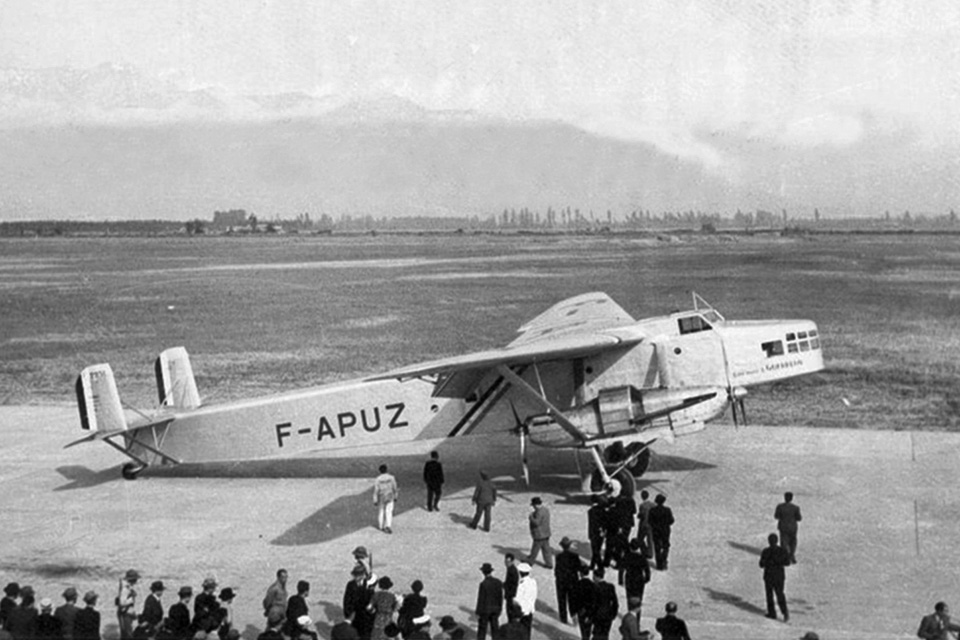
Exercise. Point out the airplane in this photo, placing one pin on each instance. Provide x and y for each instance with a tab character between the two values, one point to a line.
583	375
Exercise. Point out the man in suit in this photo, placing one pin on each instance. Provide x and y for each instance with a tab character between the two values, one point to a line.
511	579
773	559
127	604
670	626
635	571
67	612
605	606
565	574
489	603
86	624
540	532
178	617
581	602
937	625
787	516
433	478
152	607
484	496
660	519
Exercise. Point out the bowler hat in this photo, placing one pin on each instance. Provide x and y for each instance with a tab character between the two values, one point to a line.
227	594
536	500
185	591
447	622
157	585
209	583
486	568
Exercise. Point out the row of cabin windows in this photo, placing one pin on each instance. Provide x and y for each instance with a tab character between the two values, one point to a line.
796	342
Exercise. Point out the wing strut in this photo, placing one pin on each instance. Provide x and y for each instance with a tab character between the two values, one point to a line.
523	386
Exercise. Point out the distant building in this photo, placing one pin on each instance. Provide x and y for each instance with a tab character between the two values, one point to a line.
228	219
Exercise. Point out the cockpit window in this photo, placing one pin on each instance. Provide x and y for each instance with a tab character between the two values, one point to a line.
693	324
802	341
772	348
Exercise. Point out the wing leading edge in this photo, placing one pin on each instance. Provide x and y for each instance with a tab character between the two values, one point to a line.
576	327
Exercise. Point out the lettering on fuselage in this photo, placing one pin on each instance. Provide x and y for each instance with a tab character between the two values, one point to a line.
789	364
340	426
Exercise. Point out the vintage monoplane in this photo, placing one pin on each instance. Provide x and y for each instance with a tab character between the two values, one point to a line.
583	375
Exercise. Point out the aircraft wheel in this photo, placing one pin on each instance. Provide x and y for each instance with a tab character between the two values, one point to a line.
641	462
131	470
628	485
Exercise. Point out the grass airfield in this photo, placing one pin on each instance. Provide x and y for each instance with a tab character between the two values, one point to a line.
875	550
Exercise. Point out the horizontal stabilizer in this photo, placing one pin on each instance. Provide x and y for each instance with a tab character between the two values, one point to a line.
175	384
98	400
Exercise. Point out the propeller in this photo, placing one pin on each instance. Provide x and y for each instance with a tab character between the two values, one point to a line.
522	431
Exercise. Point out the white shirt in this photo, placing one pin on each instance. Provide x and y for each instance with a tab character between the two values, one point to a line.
526	595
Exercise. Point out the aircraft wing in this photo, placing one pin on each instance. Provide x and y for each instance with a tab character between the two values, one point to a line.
576	327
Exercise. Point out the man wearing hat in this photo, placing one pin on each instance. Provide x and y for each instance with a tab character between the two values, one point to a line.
127	604
67	612
540	532
356	598
447	626
206	608
178	617
226	612
9	602
86	624
489	603
526	596
565	575
22	621
363	560
152	613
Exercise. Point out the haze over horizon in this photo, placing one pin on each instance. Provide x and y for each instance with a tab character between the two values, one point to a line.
116	110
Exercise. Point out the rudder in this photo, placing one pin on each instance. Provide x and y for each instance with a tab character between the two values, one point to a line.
99	401
175	383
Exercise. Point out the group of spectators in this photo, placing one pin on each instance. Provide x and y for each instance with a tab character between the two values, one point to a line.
22	617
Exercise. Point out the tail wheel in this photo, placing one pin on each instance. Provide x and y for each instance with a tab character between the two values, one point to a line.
639	465
628	485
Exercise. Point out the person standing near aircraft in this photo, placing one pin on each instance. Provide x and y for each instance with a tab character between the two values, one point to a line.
127	604
206	607
630	624
276	598
661	520
605	605
152	613
526	597
635	572
383	605
356	597
86	625
178	617
936	625
643	523
540	532
489	603
511	579
296	607
670	626
787	516
484	496
596	525
773	559
581	602
433	478
67	612
385	494
565	574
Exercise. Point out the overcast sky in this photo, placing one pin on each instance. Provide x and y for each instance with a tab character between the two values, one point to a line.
679	74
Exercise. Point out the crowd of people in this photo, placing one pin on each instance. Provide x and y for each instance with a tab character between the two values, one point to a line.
628	541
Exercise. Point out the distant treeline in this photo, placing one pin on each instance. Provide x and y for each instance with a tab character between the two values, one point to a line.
567	220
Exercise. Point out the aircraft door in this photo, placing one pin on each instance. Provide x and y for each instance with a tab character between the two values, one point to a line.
691	360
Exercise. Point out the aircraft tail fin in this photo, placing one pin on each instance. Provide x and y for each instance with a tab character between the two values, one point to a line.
98	400
175	383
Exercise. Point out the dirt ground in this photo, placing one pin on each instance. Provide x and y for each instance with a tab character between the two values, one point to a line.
876	545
